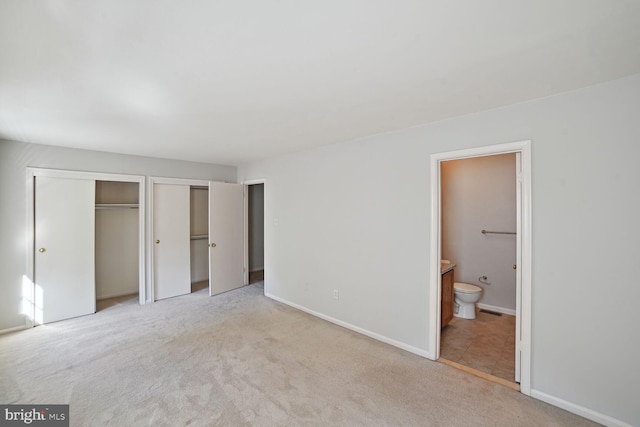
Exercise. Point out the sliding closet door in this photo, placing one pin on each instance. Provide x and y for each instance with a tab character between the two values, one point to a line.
171	249
226	237
64	243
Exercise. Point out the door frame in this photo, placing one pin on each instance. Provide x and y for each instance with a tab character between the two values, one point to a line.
246	184
151	182
524	252
33	172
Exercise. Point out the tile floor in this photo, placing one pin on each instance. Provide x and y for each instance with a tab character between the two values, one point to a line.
486	343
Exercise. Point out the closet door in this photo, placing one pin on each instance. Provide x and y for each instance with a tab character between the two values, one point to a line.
171	248
226	237
64	243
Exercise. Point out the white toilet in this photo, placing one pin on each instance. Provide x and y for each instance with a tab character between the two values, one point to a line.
466	297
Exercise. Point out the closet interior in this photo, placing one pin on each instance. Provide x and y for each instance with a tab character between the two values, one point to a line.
199	237
116	242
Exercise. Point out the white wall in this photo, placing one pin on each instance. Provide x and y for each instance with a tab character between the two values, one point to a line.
16	156
355	217
480	194
256	227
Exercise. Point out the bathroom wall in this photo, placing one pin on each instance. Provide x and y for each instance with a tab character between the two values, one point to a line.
480	194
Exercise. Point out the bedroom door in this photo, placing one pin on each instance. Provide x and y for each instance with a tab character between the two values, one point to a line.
64	248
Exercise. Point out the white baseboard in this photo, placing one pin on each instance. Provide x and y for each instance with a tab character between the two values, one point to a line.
14	329
497	309
579	410
375	336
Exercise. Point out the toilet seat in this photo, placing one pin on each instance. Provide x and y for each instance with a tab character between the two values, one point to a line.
466	288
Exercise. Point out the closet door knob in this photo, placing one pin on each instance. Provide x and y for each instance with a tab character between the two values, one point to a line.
213	245
42	250
157	241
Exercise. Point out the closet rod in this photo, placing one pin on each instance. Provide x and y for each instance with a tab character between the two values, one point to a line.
200	237
116	206
497	232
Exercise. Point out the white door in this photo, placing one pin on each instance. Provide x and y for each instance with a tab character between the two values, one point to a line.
171	240
518	265
65	248
226	237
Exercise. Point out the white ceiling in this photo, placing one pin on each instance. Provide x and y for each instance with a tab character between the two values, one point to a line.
231	81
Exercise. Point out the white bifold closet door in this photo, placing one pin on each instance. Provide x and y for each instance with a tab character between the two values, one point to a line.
64	243
226	237
171	249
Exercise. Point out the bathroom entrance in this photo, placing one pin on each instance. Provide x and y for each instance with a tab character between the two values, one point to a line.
480	262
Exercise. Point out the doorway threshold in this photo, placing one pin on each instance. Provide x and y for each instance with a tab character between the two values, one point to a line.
512	385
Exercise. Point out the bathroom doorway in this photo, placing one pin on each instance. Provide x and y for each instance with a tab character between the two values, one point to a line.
505	311
478	223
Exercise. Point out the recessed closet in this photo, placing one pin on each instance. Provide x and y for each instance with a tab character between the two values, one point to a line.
198	236
116	242
88	241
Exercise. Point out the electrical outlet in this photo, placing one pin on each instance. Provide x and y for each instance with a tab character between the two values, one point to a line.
336	294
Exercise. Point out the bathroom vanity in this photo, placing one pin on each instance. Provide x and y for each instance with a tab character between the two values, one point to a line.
447	300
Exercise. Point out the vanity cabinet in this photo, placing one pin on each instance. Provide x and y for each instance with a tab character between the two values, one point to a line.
446	308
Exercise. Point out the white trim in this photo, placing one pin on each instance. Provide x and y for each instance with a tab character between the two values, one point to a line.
526	250
579	410
142	221
150	297
375	336
245	230
497	309
518	271
179	181
433	338
14	329
31	221
95	176
254	181
32	172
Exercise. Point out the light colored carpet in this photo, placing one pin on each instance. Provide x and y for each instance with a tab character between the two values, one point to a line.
243	359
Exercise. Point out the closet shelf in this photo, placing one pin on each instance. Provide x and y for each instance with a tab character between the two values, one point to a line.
200	237
116	206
